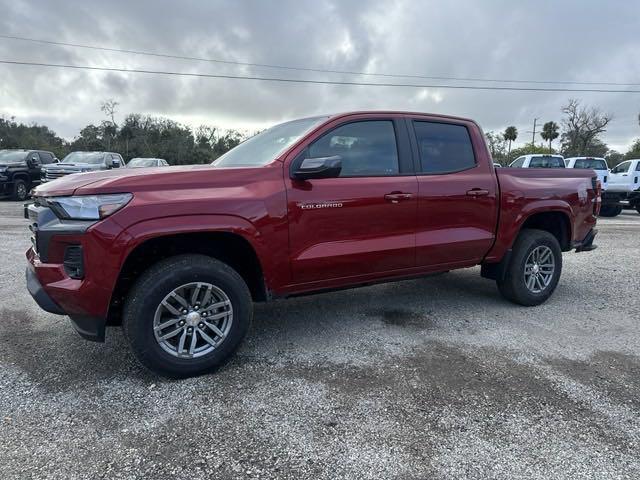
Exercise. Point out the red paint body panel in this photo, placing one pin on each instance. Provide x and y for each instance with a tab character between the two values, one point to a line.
301	248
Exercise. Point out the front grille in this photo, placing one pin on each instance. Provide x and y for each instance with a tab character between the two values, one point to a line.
52	175
73	263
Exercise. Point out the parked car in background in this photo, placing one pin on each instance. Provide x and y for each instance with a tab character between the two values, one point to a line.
179	255
538	160
79	162
20	171
624	185
610	203
147	162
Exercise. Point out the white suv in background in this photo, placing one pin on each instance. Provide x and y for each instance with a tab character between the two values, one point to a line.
538	160
591	163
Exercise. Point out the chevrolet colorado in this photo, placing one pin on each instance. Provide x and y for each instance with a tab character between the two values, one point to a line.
178	255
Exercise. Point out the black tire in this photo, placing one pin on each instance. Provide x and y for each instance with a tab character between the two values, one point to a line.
610	211
513	287
20	190
150	290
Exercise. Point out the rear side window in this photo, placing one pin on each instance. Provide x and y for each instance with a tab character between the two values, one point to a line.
622	168
546	162
367	148
638	167
443	147
590	163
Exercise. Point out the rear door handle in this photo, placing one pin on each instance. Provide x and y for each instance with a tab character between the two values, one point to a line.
477	192
395	197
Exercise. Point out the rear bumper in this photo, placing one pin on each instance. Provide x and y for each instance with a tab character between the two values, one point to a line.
88	327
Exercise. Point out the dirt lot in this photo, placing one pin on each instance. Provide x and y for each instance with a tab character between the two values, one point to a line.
431	378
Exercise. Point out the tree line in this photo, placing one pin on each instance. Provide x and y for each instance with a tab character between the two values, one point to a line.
137	136
580	134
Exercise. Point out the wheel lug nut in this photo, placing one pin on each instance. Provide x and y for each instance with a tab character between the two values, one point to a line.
185	311
204	314
200	325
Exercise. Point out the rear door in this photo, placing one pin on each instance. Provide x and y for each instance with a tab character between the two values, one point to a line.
457	193
362	222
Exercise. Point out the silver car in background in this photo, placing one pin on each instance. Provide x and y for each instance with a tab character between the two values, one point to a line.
147	162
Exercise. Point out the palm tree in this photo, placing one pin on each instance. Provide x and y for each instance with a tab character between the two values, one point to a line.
510	134
550	132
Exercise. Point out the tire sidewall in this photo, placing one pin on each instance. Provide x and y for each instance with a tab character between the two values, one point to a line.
140	313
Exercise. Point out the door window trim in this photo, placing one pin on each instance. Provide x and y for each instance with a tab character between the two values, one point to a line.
409	122
406	165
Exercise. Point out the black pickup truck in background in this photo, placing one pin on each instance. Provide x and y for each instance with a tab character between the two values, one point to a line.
20	171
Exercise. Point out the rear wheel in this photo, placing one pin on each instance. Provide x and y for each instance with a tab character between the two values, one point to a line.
186	315
534	268
20	190
610	210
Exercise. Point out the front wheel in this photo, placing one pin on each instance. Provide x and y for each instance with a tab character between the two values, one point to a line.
20	190
186	315
534	268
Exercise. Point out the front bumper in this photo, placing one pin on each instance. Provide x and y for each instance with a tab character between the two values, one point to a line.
89	328
85	300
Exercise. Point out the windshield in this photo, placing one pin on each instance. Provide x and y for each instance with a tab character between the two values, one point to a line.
93	158
266	146
142	162
9	156
546	162
592	163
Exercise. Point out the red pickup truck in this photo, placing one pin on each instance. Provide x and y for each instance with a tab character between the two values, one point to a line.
179	255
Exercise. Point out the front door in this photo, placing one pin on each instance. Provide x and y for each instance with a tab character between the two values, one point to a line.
362	222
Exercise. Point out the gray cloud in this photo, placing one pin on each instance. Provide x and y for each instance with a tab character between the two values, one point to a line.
572	40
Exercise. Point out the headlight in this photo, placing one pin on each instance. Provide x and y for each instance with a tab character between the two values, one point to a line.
88	207
3	168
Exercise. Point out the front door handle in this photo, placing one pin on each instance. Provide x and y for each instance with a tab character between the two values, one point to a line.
395	197
477	192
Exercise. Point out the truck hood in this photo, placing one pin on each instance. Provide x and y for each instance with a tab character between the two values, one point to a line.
121	180
71	166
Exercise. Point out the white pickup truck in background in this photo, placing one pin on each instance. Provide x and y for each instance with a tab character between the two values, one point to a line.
538	160
623	189
599	165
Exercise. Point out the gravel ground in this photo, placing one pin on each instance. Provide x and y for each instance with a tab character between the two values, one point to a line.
430	378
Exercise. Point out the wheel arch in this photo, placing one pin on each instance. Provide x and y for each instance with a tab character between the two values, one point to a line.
228	245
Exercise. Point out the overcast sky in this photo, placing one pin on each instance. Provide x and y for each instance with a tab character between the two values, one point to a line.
542	40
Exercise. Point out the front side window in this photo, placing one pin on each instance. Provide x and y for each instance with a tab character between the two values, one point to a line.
622	168
590	163
46	158
367	148
546	162
444	147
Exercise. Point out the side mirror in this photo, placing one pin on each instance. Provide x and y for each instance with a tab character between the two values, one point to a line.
320	167
115	163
